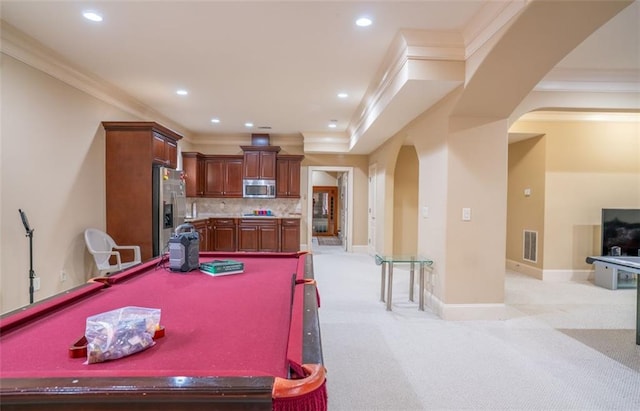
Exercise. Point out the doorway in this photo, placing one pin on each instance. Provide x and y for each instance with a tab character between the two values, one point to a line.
344	210
325	208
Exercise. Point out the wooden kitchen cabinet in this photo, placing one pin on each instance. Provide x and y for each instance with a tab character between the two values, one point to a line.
223	234
165	150
131	150
203	227
258	235
223	176
288	176
290	234
193	167
260	162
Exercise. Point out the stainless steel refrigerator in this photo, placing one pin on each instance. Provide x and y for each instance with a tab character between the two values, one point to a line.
169	206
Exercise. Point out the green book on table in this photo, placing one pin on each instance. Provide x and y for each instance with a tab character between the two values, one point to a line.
222	267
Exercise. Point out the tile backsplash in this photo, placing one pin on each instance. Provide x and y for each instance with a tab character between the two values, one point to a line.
209	207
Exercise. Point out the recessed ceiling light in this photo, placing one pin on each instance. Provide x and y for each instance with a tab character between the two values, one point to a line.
343	95
182	92
248	125
92	15
215	120
333	125
364	22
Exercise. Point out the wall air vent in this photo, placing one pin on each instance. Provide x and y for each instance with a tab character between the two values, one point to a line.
530	246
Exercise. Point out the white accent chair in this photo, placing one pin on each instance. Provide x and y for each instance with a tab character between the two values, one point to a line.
102	248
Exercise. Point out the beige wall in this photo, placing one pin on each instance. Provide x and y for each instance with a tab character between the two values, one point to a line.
477	179
385	159
323	178
405	203
461	164
588	166
53	168
526	171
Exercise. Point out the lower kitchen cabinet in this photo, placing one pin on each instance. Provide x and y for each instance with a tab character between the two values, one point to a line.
249	234
223	234
258	235
203	228
290	234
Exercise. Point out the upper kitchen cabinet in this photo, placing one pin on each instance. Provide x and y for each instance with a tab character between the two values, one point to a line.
165	150
260	162
193	167
223	176
155	144
288	176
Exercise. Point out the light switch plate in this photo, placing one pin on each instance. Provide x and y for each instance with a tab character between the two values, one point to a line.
466	214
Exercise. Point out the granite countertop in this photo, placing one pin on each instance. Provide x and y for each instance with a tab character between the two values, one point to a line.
207	216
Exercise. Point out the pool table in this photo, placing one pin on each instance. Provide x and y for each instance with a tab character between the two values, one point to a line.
242	341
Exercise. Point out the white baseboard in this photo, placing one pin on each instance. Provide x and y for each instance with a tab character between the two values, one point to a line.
526	269
467	312
549	275
500	311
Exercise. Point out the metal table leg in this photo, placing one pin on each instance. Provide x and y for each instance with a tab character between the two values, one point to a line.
382	280
411	280
389	286
421	297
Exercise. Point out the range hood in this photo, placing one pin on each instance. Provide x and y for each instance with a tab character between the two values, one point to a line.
260	140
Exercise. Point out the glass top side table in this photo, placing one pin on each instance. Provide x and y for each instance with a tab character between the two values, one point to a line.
387	262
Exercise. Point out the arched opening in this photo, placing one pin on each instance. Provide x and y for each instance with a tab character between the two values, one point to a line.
573	165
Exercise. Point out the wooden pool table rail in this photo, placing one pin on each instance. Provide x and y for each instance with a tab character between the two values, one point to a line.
168	393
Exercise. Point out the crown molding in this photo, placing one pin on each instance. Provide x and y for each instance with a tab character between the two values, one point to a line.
573	115
23	48
488	21
589	80
411	47
325	142
408	46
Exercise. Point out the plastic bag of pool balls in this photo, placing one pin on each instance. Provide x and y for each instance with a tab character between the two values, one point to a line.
119	333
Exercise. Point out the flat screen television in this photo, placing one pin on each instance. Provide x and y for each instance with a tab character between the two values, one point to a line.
621	228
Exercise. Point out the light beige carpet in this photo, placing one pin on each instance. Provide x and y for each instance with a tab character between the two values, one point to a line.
619	345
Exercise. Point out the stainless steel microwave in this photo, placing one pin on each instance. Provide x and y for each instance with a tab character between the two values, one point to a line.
259	188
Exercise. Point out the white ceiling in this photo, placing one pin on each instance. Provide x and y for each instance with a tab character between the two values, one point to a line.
281	64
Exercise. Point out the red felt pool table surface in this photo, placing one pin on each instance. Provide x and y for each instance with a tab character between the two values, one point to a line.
240	325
